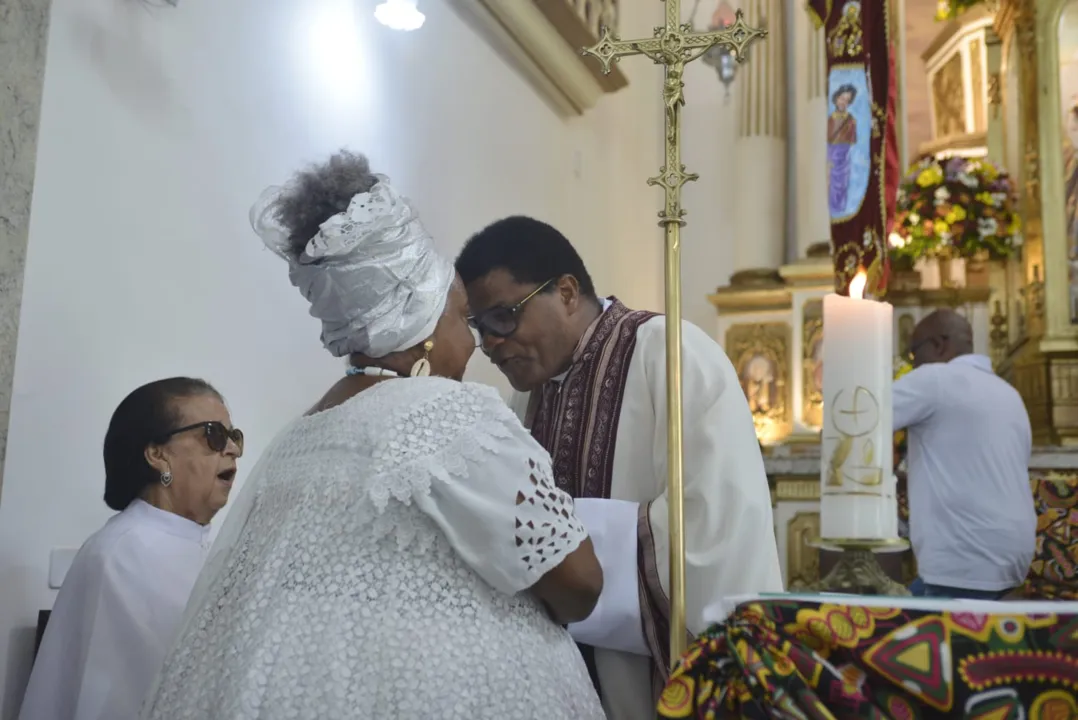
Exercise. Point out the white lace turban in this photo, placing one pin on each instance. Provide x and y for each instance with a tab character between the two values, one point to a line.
371	273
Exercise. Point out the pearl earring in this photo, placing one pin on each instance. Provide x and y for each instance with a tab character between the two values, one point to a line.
421	367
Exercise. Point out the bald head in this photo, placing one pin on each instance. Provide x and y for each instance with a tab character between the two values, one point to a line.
940	337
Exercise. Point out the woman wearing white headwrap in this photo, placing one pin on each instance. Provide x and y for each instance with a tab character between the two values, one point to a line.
401	550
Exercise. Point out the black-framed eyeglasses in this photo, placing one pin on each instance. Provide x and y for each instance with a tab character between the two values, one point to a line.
217	435
500	321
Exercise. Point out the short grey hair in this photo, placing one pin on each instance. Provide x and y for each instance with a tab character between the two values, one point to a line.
318	193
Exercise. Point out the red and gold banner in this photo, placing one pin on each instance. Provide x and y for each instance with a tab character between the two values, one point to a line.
861	140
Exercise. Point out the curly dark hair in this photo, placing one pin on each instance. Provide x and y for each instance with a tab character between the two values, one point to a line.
530	250
318	193
845	90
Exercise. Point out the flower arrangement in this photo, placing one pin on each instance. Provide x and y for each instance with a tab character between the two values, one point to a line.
951	9
956	207
902	367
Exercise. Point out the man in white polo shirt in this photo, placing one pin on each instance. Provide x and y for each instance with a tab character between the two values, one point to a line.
972	521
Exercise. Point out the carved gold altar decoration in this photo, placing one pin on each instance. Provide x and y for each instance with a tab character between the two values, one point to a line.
802	559
812	364
673	45
956	63
948	99
1037	320
760	354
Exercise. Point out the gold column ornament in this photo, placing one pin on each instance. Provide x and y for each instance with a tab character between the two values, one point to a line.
673	46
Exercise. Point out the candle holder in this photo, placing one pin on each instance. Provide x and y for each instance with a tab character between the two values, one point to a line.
857	571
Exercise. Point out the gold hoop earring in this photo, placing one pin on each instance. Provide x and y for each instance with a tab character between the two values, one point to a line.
421	367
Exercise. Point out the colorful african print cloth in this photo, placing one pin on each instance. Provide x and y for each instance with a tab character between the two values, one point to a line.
802	658
1053	574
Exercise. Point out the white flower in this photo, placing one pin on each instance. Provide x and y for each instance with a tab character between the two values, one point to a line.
896	241
942	195
967	180
944	238
987	226
998	199
914	218
1017	240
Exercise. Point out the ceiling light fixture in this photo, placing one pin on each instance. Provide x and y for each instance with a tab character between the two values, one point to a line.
399	15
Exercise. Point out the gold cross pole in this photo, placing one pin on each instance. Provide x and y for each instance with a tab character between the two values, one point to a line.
673	46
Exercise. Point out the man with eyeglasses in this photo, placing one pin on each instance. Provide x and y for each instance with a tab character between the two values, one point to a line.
592	378
972	520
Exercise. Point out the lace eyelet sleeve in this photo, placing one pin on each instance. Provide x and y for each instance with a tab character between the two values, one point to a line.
493	495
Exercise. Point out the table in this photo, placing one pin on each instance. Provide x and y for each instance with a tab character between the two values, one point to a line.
880	658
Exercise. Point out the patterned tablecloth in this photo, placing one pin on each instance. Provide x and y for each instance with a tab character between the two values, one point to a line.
1054	571
809	657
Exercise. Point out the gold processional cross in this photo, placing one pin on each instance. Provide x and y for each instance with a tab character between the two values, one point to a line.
673	46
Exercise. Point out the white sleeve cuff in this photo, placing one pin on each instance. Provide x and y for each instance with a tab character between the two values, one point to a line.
615	623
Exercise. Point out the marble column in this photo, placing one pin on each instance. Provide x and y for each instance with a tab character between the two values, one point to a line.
761	144
810	93
24	27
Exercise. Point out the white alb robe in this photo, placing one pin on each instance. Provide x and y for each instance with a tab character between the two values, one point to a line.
115	617
730	546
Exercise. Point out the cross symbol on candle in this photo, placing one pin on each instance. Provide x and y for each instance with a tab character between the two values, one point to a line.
853	409
862	404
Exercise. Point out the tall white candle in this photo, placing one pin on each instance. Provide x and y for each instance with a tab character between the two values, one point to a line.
857	487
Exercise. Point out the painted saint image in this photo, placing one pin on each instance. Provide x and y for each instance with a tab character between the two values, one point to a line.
841	137
759	383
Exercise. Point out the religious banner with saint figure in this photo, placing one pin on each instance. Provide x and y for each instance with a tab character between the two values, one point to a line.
860	129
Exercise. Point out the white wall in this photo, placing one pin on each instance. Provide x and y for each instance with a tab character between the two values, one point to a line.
159	128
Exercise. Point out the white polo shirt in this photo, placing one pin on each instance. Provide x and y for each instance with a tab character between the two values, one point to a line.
972	521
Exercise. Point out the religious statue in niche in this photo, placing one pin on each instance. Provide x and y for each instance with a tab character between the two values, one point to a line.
759	352
760	384
1068	93
854	462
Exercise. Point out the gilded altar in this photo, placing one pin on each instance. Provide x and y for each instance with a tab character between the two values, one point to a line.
771	326
1035	115
1002	86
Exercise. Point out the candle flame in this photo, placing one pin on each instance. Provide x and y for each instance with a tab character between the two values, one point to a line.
857	285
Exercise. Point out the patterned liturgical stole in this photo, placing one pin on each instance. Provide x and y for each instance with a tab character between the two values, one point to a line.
576	419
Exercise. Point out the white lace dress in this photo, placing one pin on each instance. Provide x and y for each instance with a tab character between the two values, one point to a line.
374	567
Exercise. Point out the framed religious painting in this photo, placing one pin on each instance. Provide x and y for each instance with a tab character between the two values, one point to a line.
861	138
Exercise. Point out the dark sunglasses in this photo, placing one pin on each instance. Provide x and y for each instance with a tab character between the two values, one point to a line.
500	321
217	435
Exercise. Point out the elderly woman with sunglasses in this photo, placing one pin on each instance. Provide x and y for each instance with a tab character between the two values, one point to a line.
400	551
170	459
